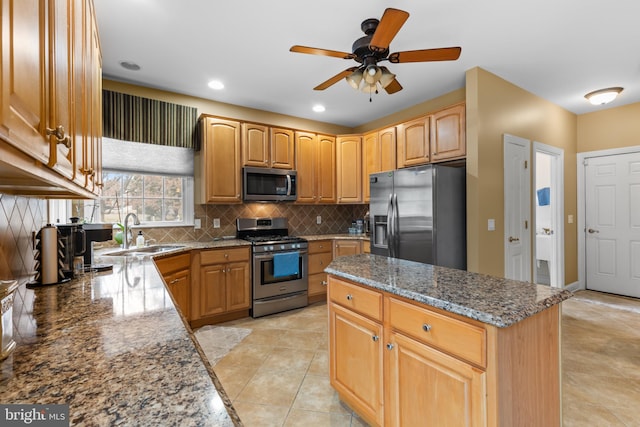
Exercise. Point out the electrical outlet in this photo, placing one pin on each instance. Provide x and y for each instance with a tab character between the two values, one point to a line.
216	222
318	220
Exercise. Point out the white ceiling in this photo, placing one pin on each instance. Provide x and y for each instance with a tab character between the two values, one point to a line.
556	49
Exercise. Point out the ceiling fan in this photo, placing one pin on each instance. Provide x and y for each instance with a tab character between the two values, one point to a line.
374	48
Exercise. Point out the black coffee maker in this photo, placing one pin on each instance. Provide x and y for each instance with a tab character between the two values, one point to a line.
73	244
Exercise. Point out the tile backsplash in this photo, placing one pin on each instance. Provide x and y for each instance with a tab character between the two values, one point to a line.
19	217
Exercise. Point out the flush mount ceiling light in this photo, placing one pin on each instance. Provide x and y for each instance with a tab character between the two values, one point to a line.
129	65
318	108
603	96
216	84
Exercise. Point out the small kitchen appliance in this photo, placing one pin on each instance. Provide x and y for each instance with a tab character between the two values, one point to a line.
279	275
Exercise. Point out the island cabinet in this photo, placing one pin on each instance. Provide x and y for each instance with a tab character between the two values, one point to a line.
264	146
176	272
217	166
398	362
223	288
378	154
316	167
320	255
349	168
342	247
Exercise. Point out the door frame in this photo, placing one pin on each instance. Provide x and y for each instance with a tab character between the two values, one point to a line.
582	198
557	183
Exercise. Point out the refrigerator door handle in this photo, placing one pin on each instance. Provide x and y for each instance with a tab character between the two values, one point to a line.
389	230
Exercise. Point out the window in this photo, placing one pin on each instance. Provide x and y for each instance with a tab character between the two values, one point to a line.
157	200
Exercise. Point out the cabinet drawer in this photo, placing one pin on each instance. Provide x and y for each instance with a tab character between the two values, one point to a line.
219	256
318	262
173	263
453	336
317	284
361	300
320	246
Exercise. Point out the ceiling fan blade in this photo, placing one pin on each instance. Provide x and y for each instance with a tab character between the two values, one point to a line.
324	52
390	23
426	55
393	87
335	79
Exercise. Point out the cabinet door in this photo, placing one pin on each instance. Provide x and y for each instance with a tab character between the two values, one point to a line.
427	387
223	181
326	169
370	161
213	289
282	148
179	285
306	161
238	286
448	138
349	169
413	142
23	114
255	145
346	247
356	367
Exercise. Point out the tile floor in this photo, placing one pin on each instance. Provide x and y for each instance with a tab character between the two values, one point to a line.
278	375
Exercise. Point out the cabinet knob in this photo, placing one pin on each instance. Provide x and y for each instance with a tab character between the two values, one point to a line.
375	338
389	346
349	297
426	327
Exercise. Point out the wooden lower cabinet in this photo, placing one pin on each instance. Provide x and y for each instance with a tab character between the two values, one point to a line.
176	272
223	290
437	368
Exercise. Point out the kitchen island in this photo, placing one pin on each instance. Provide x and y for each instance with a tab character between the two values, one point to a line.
416	344
114	348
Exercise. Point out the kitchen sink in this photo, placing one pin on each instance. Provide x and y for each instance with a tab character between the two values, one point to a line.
147	250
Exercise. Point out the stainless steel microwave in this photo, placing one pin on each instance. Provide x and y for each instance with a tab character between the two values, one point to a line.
269	185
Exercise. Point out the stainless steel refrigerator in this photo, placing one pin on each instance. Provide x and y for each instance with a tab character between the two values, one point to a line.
419	214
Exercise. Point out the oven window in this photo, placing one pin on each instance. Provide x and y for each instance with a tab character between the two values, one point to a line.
266	268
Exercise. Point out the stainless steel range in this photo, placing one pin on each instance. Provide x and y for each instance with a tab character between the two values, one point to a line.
279	275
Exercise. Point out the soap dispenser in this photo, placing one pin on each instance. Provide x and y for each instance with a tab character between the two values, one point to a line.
140	240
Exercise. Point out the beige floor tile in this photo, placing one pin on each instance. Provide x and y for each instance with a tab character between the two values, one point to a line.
316	394
258	415
287	360
299	418
272	388
320	363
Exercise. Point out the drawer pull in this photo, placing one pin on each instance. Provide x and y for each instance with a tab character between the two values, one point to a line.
426	327
349	297
375	338
389	346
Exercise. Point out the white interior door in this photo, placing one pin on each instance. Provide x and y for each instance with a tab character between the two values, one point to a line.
517	208
612	224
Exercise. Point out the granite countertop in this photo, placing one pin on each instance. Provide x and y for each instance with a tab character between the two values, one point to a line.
492	300
114	348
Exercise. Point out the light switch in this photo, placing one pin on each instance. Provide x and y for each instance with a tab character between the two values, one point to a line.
216	222
491	224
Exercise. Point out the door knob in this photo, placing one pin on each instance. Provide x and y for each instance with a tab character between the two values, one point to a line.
591	231
513	239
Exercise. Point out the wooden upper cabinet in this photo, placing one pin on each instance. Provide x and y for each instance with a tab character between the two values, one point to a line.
218	173
413	142
255	145
264	146
349	169
378	154
282	148
448	133
24	111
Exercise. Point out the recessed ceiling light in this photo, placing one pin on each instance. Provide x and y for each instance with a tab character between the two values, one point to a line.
129	65
603	96
318	108
216	84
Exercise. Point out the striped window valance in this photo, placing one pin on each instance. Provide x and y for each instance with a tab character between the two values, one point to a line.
132	118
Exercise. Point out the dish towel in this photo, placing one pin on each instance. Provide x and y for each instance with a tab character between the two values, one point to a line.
543	196
286	264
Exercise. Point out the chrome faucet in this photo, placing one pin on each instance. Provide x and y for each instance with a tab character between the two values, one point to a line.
136	221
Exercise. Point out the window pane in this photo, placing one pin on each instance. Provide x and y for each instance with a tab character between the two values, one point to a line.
173	187
173	210
152	186
152	210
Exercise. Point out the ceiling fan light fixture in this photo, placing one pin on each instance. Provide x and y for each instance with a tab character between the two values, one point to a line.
603	96
354	79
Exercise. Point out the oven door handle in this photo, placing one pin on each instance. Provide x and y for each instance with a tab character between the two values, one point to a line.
270	255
